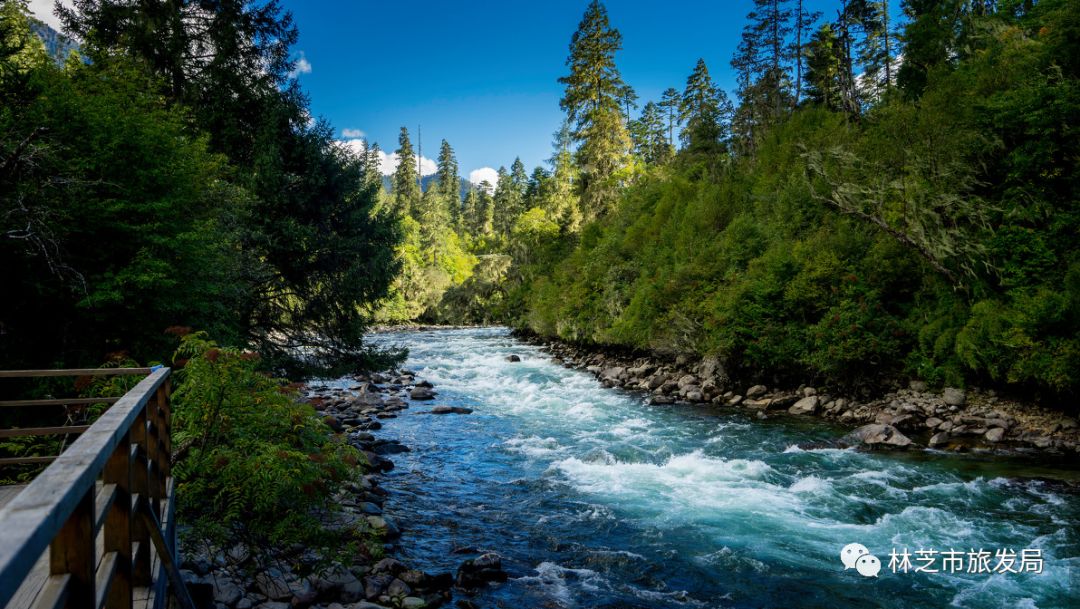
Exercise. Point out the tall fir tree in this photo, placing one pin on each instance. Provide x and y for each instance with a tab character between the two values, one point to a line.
706	110
406	180
669	103
762	63
592	100
649	134
449	183
803	26
823	65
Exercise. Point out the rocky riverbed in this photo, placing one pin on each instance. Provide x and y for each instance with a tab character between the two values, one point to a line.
246	578
913	416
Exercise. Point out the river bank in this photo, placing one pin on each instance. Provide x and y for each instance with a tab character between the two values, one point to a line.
370	577
497	460
901	417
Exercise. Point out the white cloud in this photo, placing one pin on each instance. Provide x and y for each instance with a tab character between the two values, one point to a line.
43	10
389	162
352	133
476	176
303	66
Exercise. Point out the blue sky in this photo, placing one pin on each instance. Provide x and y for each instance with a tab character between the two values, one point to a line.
483	74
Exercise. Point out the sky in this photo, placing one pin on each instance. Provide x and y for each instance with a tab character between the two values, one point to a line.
484	74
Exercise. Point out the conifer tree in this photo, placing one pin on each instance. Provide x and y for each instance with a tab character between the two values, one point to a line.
706	111
449	184
649	134
406	180
592	100
536	188
669	102
803	25
823	66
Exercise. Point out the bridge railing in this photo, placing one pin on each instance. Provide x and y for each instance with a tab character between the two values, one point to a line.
96	528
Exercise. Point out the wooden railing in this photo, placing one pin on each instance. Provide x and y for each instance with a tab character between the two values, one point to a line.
96	528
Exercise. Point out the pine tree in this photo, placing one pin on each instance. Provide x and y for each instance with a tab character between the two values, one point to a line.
536	188
485	210
592	101
823	65
669	102
406	177
628	98
649	134
804	23
763	71
449	183
372	161
706	111
518	177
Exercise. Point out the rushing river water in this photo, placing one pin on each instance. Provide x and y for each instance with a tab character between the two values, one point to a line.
595	499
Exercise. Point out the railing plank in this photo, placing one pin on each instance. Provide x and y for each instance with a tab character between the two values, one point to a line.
25	460
34	517
54	593
103	502
42	431
58	402
73	372
106	575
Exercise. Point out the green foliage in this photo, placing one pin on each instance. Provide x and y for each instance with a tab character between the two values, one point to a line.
937	236
142	190
255	464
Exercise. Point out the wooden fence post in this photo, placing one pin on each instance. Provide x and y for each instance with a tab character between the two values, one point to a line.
118	524
140	485
72	553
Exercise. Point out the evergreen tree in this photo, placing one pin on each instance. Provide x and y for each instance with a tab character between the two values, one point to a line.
804	23
762	64
534	191
449	183
484	209
372	159
509	198
629	98
592	100
706	111
518	177
669	102
406	180
649	134
823	66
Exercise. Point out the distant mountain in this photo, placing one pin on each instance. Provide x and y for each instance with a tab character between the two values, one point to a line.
57	45
428	181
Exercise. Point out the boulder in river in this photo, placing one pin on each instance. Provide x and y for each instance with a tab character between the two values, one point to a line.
513	358
807	405
422	393
756	391
878	434
451	410
479	571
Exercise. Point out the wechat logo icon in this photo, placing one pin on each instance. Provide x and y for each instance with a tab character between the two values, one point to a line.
856	556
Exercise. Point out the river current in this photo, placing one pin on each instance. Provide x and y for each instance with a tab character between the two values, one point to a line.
596	499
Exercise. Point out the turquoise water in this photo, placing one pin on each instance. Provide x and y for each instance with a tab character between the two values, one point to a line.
596	499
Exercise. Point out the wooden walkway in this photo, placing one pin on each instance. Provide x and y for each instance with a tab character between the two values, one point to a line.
7	493
96	529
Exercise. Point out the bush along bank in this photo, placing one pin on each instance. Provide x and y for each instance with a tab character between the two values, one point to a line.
912	416
360	573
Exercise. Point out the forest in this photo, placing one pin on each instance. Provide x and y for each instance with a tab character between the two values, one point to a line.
880	199
876	200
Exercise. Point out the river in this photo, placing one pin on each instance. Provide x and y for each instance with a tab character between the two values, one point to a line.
595	499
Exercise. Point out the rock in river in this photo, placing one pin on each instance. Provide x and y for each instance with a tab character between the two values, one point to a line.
877	434
422	393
